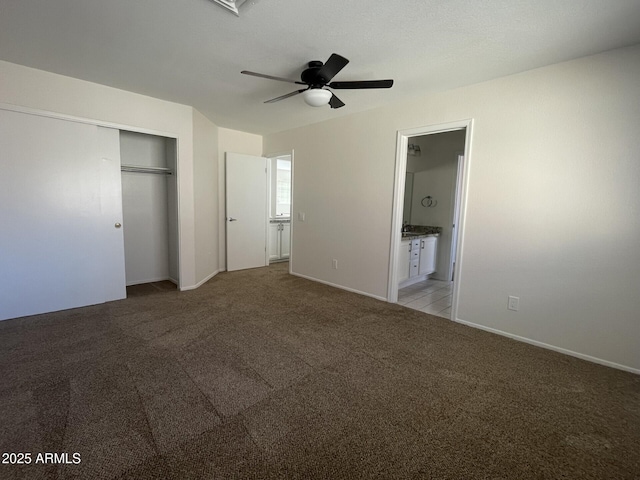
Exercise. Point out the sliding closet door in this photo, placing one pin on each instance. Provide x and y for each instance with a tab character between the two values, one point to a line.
112	259
60	204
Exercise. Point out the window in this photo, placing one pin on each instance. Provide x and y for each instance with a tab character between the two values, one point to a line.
281	186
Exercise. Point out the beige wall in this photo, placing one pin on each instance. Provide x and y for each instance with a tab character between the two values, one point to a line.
552	212
205	181
233	141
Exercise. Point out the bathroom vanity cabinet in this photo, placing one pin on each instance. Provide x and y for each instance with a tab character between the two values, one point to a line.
279	240
416	259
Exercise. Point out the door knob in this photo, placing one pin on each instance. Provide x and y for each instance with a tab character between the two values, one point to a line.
231	219
118	225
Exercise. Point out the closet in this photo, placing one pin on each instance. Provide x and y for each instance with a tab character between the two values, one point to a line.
75	200
149	208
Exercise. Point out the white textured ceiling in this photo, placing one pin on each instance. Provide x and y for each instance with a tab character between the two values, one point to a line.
192	51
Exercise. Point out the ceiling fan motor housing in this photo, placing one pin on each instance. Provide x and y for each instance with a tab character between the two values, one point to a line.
310	75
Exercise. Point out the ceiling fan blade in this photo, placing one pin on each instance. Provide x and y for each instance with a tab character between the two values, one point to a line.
282	97
332	67
270	77
362	84
335	102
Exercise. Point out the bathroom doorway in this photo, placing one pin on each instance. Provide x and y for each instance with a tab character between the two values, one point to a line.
279	168
430	181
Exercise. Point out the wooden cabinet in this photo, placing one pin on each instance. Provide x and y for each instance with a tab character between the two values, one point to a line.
285	240
427	255
403	260
414	263
273	241
416	259
279	241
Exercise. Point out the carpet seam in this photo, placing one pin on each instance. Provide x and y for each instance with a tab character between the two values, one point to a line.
144	411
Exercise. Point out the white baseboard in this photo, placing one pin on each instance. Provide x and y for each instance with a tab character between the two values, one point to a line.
149	280
411	281
582	356
200	283
341	287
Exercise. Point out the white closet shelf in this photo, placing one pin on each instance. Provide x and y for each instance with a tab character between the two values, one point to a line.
141	169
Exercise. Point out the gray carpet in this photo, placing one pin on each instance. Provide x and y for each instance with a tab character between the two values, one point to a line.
259	374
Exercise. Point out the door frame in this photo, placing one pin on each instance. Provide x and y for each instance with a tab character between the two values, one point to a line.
402	141
455	220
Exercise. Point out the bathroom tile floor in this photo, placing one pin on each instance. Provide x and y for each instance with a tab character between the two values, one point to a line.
430	296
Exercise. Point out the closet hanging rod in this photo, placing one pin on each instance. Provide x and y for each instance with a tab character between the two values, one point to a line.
140	169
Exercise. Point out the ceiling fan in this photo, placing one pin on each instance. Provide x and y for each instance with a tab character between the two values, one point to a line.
317	77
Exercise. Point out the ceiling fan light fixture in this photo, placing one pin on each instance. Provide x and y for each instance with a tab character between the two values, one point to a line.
316	97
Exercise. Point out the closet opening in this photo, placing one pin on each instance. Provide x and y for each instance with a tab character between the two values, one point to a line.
150	212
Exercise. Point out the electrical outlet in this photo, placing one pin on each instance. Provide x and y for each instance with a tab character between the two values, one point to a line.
335	264
513	303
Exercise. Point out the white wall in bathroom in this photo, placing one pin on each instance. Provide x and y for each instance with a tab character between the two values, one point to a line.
438	182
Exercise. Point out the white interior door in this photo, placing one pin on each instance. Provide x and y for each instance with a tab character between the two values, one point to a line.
107	219
60	201
246	211
457	192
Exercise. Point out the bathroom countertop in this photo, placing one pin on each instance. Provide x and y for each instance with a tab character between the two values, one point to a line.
413	235
419	231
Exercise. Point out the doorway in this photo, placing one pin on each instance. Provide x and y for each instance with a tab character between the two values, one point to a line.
279	193
431	163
